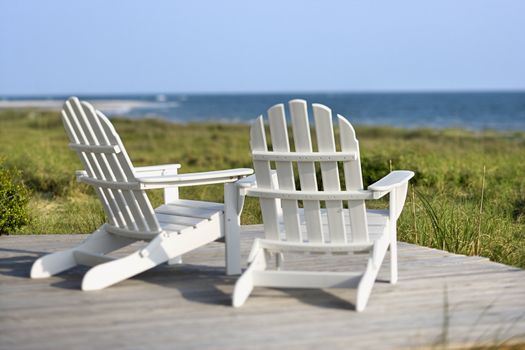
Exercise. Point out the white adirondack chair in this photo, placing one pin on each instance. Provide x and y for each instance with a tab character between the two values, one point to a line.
334	229
172	229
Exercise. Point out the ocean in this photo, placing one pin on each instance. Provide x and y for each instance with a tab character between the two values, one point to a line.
470	110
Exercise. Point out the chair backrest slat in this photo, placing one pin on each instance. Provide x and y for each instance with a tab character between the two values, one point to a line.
353	181
71	121
330	172
134	217
344	225
307	177
264	179
138	200
106	159
89	119
285	175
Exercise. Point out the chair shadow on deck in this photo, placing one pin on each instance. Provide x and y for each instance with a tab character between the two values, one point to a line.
195	283
209	285
17	266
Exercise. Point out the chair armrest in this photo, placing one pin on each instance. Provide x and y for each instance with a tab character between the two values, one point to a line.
391	181
251	181
193	179
247	182
157	170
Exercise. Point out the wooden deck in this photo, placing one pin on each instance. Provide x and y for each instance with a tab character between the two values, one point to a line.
441	298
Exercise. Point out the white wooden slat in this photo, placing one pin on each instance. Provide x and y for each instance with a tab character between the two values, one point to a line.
171	209
304	156
319	247
198	204
90	165
307	176
264	179
314	195
146	209
303	279
378	221
124	161
113	161
169	226
133	234
70	131
166	220
99	170
108	184
393	180
95	149
353	181
109	167
114	139
285	175
179	220
329	171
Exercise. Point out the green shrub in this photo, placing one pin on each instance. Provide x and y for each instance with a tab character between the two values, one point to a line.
14	199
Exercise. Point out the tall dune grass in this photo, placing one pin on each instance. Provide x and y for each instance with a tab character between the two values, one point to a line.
468	195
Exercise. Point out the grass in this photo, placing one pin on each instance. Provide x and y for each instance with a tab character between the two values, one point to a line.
468	195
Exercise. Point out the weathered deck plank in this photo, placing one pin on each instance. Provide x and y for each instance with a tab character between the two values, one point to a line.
188	306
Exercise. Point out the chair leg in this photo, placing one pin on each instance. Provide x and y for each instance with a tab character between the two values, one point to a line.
171	194
375	260
245	283
232	223
98	242
109	273
393	257
364	289
393	262
52	264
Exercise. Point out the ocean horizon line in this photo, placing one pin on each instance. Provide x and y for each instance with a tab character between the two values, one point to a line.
251	93
496	110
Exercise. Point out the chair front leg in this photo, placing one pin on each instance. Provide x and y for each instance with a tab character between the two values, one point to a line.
171	194
232	228
393	255
394	213
246	283
99	242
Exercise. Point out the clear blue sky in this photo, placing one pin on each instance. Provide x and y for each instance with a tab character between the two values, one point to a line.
152	46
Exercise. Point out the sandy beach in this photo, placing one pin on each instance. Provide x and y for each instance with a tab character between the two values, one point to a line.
108	106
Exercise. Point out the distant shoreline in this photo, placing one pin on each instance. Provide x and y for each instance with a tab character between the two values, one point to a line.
56	105
471	111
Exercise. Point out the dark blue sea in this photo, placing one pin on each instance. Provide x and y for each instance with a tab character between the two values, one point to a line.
476	110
